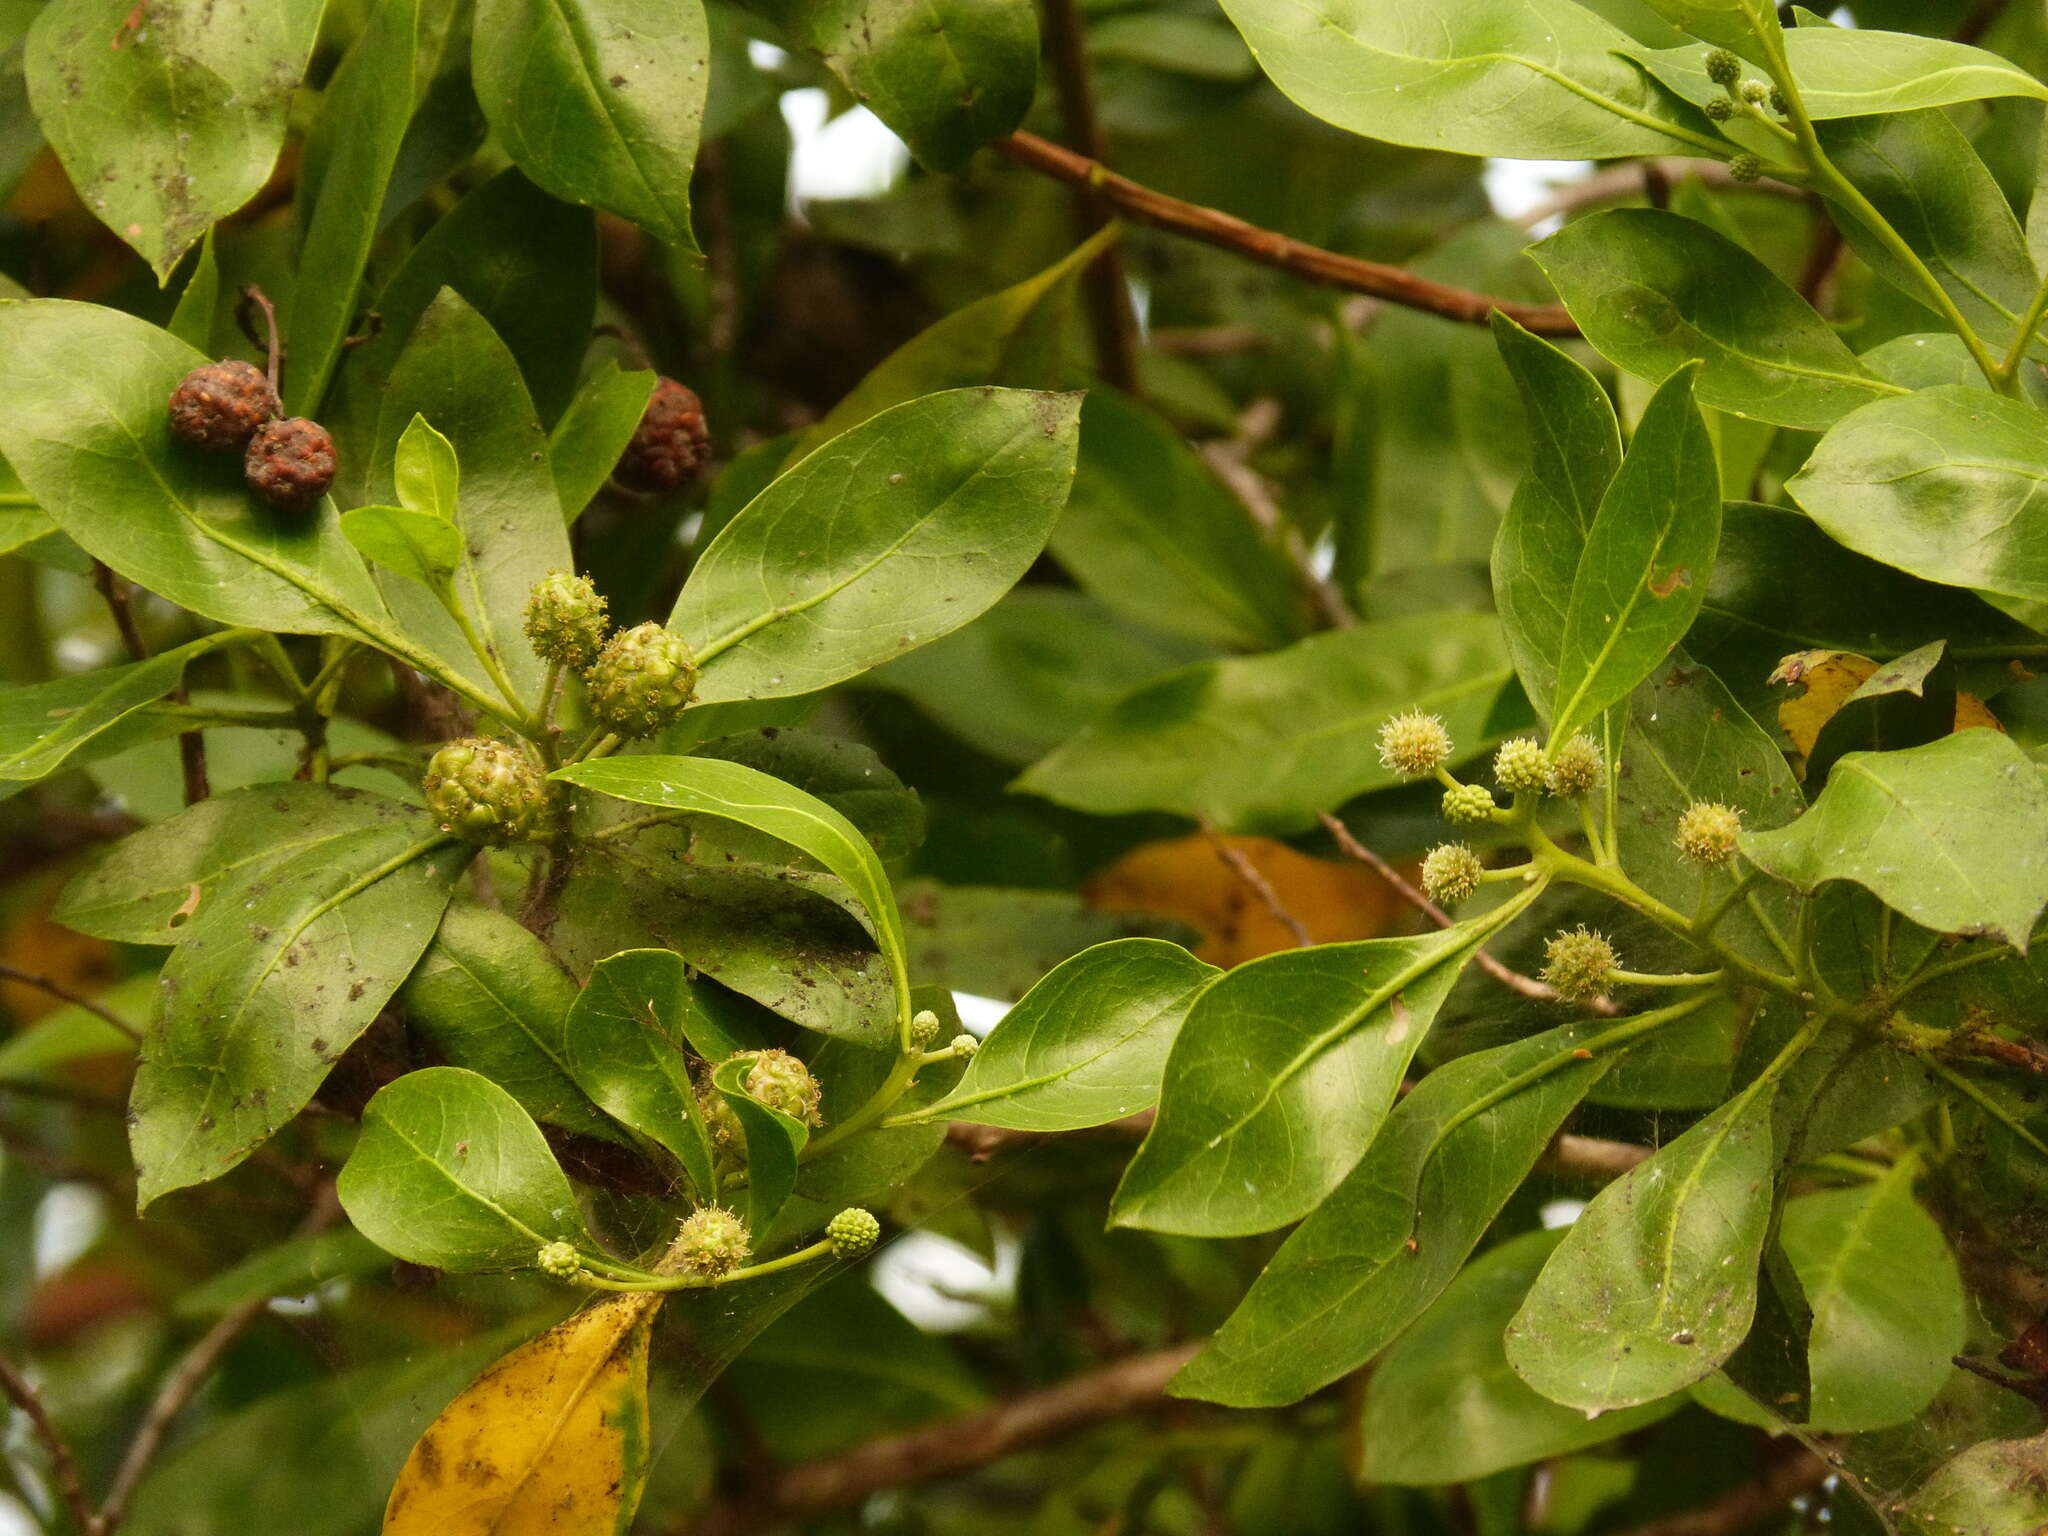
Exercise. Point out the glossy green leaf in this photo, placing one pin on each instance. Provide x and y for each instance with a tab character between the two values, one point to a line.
599	101
1748	27
1944	484
419	546
1854	72
1655	1284
488	996
1889	1311
1282	1075
1990	1489
193	321
594	431
1954	835
892	534
773	1143
424	472
170	119
1654	291
1575	446
1443	1406
999	941
1384	1245
1541	79
270	985
1087	1045
449	1171
626	1037
1262	743
1646	561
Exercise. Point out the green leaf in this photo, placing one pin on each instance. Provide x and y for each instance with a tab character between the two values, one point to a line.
192	322
1943	484
490	997
1575	447
1655	1284
1646	561
774	1141
1151	533
297	1266
420	546
948	75
424	471
1087	1045
1749	27
45	723
1954	835
599	101
735	792
171	119
449	1171
1856	72
1889	1311
1654	291
1281	1077
85	428
892	534
1375	1254
626	1037
269	986
1442	1405
595	429
1991	1489
1262	743
999	941
1540	80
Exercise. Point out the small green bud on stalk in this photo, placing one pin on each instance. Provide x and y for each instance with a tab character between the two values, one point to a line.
566	620
782	1082
1707	831
1723	68
852	1233
964	1046
1469	803
711	1242
924	1029
1520	767
560	1260
1745	168
1578	768
1755	92
1577	963
1720	110
1414	745
1450	874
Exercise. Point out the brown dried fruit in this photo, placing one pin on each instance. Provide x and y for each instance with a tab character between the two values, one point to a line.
222	404
670	443
290	463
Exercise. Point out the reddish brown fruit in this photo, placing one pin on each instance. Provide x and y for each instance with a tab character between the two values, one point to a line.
670	443
290	463
222	404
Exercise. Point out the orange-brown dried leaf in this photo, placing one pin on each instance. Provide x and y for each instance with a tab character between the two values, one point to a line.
1828	679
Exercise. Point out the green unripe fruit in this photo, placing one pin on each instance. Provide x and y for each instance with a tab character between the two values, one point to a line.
1577	963
1450	874
1720	110
489	791
641	680
1578	767
924	1029
782	1082
1520	767
566	620
711	1242
1468	802
1755	92
721	1124
964	1046
1414	744
1745	168
852	1232
1723	68
1707	831
560	1260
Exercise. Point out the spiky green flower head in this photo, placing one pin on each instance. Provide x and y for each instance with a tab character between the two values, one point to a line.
924	1029
1450	874
1707	831
1414	744
1469	803
1520	766
566	619
964	1046
1578	768
1723	68
641	680
852	1232
489	791
782	1082
1745	168
1755	92
1577	963
560	1260
1720	110
711	1242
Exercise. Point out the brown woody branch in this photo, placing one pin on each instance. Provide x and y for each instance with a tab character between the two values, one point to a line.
191	744
1792	1471
65	994
1247	872
814	1489
63	1465
1212	227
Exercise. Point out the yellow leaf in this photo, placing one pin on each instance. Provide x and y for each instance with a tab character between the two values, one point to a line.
550	1441
1828	678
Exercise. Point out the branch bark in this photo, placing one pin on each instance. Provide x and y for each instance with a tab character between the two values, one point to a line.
65	994
1352	273
63	1465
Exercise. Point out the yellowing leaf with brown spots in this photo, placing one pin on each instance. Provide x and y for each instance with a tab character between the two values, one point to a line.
550	1441
1828	679
1189	878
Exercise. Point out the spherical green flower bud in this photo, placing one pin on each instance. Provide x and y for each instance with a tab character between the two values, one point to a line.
641	680
1451	874
964	1046
782	1082
560	1260
1577	963
1745	168
1578	767
1720	110
489	791
1468	802
566	620
1723	67
1755	92
1779	104
924	1029
1414	744
711	1242
1707	831
721	1124
852	1232
1520	767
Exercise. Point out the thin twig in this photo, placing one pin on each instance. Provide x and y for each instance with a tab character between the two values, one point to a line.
1147	206
62	1463
62	993
1794	1471
191	744
1231	463
1630	178
1258	884
2011	1053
